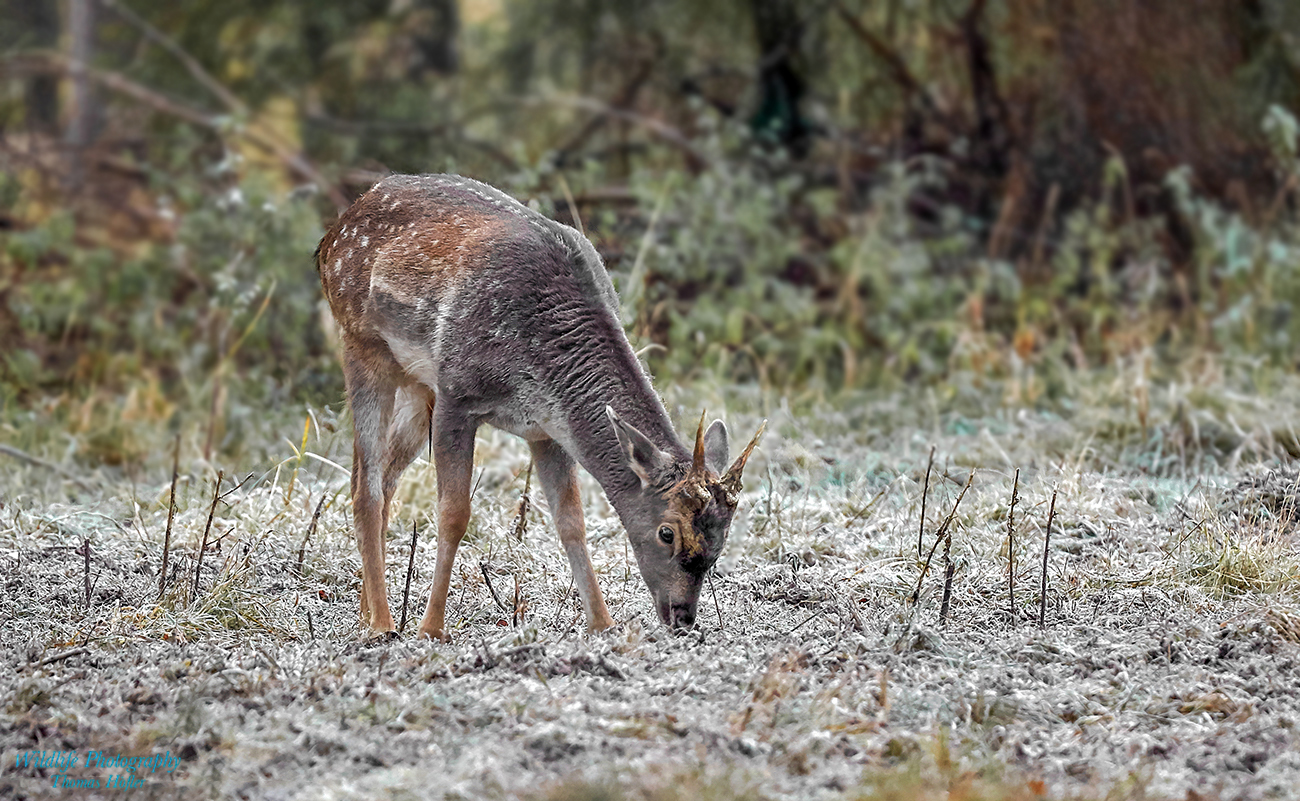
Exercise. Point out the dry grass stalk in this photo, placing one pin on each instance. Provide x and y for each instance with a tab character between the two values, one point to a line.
302	454
884	693
521	606
85	573
207	529
716	607
171	517
1047	540
482	566
311	529
1011	547
410	573
939	537
871	504
948	570
925	494
216	410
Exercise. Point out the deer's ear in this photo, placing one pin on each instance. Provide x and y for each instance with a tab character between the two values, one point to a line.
715	447
643	456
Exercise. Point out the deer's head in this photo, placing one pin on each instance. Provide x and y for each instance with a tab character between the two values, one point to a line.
681	527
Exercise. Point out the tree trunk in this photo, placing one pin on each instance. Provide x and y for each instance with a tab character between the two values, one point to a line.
34	24
779	28
83	105
438	31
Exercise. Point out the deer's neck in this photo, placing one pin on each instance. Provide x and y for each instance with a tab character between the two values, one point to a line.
603	370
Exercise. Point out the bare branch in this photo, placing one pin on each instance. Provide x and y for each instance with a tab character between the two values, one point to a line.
192	66
114	81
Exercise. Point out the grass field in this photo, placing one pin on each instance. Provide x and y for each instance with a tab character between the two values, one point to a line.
1168	665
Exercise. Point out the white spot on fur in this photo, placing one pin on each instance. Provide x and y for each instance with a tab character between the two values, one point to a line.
365	241
446	303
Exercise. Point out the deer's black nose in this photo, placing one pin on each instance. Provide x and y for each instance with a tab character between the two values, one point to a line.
683	617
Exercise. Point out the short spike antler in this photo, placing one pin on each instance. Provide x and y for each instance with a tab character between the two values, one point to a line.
731	481
697	462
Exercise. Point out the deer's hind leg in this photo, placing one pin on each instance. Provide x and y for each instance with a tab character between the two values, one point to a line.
371	383
559	478
453	459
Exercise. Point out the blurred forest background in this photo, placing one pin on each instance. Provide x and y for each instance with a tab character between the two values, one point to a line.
818	197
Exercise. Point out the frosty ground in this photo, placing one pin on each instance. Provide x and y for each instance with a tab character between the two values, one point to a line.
1167	666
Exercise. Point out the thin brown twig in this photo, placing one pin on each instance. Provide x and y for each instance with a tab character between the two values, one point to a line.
939	537
1011	547
237	487
871	504
171	516
482	566
948	569
85	573
714	592
49	660
925	494
311	529
520	605
410	573
573	207
207	529
1047	540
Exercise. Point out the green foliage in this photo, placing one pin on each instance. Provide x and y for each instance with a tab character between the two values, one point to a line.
174	309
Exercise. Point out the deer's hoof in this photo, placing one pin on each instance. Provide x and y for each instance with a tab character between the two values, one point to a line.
435	635
381	637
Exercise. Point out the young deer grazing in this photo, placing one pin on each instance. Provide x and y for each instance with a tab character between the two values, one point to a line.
460	306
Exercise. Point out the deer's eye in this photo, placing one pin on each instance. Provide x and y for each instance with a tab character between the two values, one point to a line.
666	535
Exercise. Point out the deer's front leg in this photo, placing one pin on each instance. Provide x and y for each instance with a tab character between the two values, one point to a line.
559	478
453	460
370	396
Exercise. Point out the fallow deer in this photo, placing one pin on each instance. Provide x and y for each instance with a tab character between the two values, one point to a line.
457	306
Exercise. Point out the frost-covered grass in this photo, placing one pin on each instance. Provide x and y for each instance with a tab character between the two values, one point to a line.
1168	663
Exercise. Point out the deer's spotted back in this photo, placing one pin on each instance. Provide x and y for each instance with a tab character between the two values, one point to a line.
409	242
